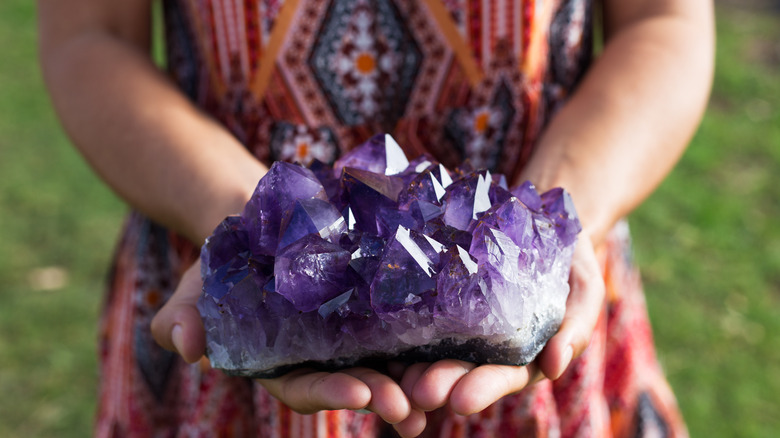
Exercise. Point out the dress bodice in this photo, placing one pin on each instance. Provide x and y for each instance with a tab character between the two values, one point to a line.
303	79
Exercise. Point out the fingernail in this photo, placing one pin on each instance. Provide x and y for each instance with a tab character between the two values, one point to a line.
177	334
567	355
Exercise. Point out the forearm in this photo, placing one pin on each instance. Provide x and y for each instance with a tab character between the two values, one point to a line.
630	119
143	137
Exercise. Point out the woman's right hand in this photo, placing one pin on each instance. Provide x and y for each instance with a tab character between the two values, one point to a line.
178	327
307	391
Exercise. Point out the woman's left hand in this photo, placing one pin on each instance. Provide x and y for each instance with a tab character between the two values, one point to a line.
469	389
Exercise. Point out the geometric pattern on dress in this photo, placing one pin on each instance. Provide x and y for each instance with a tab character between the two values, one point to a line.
335	63
139	385
483	23
479	132
432	17
365	61
494	116
302	144
281	102
569	36
436	50
181	50
649	422
579	392
465	90
293	82
268	10
439	90
230	28
232	36
152	289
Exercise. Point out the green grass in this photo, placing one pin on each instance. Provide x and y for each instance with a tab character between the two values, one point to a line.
708	242
53	213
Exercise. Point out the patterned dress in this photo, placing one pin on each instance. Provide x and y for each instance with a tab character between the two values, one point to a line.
304	79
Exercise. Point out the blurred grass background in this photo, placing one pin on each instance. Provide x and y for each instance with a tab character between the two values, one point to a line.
708	242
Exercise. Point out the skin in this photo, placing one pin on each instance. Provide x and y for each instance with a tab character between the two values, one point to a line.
610	146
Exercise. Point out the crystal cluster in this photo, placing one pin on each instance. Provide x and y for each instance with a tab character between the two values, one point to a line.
379	257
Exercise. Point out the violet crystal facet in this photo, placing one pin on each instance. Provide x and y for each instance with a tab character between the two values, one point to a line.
378	257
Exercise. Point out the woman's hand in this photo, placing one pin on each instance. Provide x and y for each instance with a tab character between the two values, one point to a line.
465	387
307	391
469	389
613	142
178	327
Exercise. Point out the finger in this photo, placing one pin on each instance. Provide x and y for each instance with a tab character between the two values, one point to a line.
413	425
387	399
177	326
583	307
307	392
485	384
410	377
433	388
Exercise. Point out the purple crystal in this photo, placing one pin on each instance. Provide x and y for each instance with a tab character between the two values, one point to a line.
419	164
405	272
423	187
337	304
312	216
447	235
515	220
558	206
384	258
311	271
526	193
427	210
324	174
367	192
465	199
276	192
224	256
461	300
380	154
389	219
365	258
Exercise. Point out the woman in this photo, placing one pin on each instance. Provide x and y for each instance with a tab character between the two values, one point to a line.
507	84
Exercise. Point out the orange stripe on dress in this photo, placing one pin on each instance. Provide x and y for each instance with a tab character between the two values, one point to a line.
459	45
284	20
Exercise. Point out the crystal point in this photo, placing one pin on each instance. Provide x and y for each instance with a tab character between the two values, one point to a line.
380	154
312	216
280	187
367	192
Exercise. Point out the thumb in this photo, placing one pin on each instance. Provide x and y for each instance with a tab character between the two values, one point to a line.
178	326
583	307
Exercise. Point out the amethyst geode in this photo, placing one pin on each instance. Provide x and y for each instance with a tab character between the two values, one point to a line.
379	258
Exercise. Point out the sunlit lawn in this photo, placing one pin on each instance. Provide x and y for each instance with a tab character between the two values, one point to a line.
708	242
